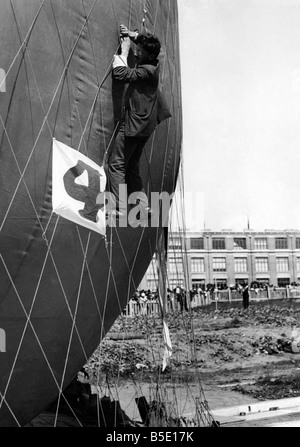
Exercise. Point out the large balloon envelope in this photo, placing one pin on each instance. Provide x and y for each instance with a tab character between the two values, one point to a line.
63	285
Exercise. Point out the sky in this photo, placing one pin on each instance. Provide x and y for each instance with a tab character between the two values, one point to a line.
240	76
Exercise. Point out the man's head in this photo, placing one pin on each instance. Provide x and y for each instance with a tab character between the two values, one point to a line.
148	48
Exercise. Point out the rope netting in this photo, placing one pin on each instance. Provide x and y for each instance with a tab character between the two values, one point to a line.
49	227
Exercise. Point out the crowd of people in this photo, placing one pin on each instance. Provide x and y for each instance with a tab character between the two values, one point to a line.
180	299
177	299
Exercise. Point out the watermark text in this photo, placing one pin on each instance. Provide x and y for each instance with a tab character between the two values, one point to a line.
2	340
2	81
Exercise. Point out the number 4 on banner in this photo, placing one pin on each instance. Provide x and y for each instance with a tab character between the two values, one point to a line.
76	183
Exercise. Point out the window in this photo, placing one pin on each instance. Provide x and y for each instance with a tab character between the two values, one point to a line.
152	284
240	265
298	264
175	243
175	265
198	283
239	243
261	265
281	243
219	264
175	282
221	283
218	244
260	243
197	265
197	243
282	264
297	242
283	282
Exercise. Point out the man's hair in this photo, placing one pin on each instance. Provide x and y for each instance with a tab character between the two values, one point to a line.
150	43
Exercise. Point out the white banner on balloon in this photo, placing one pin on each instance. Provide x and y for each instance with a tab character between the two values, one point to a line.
76	183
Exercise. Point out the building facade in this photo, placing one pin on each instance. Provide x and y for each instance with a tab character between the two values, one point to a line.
225	258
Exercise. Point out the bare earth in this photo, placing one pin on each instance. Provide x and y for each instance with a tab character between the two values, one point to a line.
229	357
241	356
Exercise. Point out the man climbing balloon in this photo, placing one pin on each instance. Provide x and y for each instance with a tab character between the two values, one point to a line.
144	109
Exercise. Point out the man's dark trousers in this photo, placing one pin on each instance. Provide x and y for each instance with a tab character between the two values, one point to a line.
123	166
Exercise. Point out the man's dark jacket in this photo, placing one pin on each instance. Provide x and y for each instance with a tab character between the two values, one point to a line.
145	107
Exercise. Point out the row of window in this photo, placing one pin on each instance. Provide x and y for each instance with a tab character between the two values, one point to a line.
240	264
239	243
220	283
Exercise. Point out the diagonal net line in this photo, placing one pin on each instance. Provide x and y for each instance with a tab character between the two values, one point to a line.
127	263
149	159
49	251
39	280
111	275
28	322
64	293
89	273
2	399
111	272
48	112
108	71
143	231
51	255
86	125
73	326
130	270
173	84
36	84
41	274
126	259
98	309
27	53
109	254
172	91
169	124
27	187
41	101
142	234
27	37
28	316
101	335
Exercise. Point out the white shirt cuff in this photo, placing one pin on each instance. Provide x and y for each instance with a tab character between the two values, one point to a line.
119	61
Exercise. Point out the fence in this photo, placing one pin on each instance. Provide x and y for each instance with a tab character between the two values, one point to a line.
257	295
149	307
152	307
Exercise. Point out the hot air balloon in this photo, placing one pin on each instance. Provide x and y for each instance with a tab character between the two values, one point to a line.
62	285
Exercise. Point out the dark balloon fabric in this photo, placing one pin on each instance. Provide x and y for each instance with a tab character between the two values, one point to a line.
61	285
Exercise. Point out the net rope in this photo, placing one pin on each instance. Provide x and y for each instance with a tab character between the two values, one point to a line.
48	238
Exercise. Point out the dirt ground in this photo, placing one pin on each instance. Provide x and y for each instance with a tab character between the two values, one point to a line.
221	358
239	355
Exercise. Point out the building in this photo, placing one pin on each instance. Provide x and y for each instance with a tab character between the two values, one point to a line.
226	257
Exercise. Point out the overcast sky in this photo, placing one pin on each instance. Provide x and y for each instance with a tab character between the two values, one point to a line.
240	68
